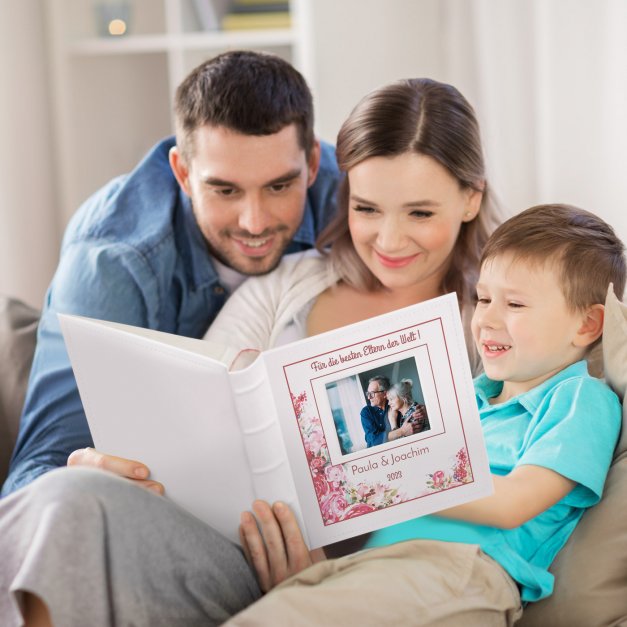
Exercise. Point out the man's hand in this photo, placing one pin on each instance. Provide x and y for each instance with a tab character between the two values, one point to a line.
273	544
127	468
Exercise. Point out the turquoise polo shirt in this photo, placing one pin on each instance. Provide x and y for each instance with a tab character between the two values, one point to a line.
569	424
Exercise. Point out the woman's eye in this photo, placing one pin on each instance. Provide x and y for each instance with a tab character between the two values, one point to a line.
421	214
364	209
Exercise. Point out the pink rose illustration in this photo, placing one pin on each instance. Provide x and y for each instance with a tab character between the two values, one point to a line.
315	442
333	507
321	486
438	478
357	510
317	464
335	475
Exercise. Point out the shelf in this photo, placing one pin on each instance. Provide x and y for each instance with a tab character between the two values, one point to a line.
186	41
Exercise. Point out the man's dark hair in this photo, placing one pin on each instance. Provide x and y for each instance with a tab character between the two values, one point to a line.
252	93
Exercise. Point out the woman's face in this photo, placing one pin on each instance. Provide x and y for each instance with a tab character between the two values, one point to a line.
394	401
404	216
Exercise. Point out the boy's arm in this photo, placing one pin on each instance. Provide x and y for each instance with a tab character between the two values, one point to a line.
519	496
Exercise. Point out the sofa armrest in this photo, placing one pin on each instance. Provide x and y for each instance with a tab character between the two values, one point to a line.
18	330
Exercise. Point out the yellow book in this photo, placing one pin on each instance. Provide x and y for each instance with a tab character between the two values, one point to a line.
248	21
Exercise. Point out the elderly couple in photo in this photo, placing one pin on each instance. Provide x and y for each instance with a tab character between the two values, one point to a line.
400	212
392	412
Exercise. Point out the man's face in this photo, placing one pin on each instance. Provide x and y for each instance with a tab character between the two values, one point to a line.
376	394
248	192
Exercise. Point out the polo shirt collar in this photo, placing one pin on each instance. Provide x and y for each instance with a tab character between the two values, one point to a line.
486	388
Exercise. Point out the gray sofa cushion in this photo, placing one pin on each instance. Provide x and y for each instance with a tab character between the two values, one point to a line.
18	329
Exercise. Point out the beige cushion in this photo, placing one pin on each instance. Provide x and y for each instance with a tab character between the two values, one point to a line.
18	328
591	570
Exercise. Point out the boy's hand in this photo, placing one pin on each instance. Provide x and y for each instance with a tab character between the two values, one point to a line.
127	468
273	544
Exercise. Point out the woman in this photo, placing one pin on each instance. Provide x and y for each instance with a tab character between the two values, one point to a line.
415	211
405	415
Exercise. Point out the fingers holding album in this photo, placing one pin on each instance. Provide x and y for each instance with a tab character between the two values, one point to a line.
273	543
130	469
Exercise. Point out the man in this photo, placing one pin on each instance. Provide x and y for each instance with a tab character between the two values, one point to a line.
374	415
162	247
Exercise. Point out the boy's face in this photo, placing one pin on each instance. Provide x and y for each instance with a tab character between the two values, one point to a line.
522	326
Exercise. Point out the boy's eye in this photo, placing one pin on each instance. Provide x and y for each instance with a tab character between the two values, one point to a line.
482	300
515	305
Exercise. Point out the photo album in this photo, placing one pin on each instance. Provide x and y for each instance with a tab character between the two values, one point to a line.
221	427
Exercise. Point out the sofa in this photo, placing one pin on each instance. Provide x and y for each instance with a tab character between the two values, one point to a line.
590	571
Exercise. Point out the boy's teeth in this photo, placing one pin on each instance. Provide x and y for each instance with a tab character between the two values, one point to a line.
495	349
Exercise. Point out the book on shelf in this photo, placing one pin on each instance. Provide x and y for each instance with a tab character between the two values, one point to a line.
256	20
219	431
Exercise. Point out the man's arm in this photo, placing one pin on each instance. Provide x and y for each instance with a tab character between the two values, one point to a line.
373	432
100	281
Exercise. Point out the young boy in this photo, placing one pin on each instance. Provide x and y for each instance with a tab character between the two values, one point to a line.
550	430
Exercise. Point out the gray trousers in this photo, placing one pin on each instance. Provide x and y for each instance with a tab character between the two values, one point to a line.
101	551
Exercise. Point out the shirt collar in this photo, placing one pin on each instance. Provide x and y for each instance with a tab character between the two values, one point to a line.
193	247
306	233
486	388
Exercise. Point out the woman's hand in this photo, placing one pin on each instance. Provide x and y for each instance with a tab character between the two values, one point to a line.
120	466
392	418
273	544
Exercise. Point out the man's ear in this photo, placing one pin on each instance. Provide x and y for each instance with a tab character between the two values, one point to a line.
179	168
591	327
313	164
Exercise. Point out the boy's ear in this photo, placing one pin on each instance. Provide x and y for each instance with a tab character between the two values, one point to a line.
591	327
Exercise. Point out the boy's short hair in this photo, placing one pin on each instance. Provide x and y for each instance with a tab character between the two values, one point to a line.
584	249
253	93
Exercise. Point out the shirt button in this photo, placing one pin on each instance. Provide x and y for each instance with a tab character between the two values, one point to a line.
218	289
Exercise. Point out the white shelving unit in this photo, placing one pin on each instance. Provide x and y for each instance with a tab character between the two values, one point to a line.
113	95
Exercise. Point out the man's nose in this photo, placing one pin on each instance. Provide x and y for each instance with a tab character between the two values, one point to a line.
254	217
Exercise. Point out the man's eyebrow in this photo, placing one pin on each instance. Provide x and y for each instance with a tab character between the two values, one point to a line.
218	182
284	178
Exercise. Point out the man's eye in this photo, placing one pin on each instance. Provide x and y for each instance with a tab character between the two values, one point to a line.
279	187
226	191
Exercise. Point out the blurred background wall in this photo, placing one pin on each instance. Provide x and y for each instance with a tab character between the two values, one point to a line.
546	77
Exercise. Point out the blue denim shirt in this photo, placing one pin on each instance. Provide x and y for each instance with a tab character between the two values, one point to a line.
133	253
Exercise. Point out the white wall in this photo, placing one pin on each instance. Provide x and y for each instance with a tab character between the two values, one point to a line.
547	78
29	230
